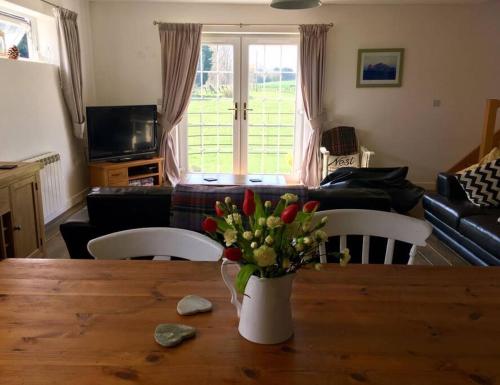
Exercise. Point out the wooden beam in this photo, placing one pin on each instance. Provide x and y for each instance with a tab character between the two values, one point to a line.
490	115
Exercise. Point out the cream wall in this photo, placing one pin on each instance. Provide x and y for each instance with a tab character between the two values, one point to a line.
452	54
33	118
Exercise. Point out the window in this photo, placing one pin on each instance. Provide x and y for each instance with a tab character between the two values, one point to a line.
210	129
242	118
15	30
272	95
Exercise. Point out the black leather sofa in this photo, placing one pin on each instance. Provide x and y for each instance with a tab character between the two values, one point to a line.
471	231
115	209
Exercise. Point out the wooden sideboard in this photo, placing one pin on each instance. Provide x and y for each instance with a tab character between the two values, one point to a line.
121	174
22	231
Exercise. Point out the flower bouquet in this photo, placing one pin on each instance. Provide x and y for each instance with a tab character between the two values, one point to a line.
269	244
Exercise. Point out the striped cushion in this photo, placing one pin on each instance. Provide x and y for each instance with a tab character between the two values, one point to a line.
190	203
482	184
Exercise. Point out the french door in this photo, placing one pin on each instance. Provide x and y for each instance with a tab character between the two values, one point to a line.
242	114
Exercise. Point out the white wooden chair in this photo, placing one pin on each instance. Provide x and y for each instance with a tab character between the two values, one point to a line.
394	227
161	242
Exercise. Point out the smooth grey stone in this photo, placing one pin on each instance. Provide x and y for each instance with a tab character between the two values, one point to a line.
192	304
169	335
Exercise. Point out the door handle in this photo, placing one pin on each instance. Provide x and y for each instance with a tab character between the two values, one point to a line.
235	109
245	109
17	228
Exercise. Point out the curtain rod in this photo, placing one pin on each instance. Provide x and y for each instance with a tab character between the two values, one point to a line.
49	3
241	25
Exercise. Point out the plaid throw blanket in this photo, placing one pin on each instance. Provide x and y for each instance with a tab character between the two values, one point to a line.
190	203
340	141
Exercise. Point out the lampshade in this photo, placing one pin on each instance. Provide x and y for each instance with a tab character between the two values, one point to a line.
295	4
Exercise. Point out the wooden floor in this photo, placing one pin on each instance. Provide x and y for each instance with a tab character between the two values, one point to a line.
435	253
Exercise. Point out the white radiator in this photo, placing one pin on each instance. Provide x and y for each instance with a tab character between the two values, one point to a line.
51	180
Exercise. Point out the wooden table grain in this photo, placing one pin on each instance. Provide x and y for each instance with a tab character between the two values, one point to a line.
83	322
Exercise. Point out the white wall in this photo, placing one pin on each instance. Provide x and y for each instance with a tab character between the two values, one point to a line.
452	54
33	117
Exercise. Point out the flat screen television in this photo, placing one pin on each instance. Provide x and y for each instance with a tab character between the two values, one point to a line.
122	133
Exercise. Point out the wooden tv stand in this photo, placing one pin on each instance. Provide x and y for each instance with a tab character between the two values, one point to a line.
123	174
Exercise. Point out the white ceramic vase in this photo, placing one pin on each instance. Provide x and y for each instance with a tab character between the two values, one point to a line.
265	313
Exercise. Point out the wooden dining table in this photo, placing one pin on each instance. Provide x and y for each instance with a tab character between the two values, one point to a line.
88	322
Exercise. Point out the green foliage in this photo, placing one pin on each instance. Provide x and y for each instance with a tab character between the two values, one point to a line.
244	275
221	224
279	208
207	62
259	207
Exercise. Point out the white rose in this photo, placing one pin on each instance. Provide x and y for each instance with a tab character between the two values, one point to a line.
273	222
269	240
230	237
267	204
290	198
233	219
253	245
258	233
345	258
248	235
299	247
307	240
320	236
227	200
262	221
264	256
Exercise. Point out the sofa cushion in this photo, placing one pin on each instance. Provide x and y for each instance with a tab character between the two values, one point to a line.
466	248
450	211
122	208
484	230
482	184
190	203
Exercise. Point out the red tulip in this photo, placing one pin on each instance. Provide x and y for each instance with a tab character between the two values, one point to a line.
310	207
249	203
233	254
209	225
218	210
289	213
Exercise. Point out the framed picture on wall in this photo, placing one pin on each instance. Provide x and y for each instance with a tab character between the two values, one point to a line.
380	67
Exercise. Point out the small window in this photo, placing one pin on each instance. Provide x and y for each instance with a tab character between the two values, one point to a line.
15	30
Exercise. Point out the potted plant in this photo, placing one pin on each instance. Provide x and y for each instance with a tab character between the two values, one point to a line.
270	244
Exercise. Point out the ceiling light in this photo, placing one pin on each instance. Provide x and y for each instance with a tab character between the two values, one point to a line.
295	4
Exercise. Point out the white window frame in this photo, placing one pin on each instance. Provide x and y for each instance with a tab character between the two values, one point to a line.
21	18
182	130
241	48
298	133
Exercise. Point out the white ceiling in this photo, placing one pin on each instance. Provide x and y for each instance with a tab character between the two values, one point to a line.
324	1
